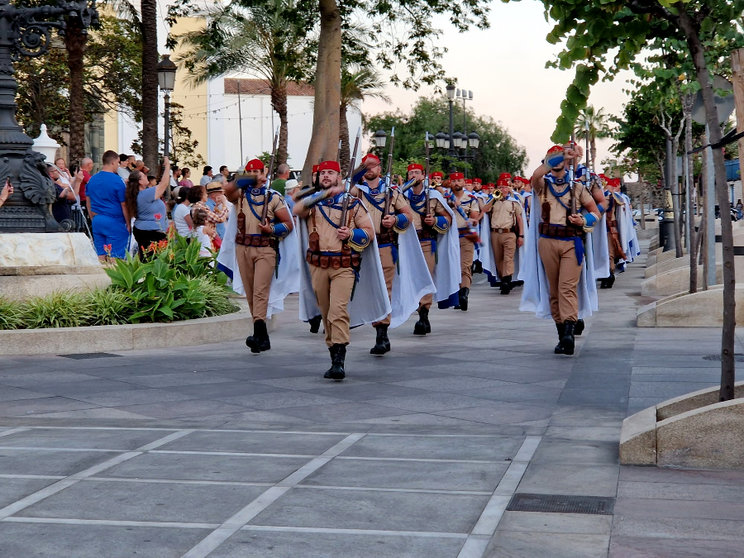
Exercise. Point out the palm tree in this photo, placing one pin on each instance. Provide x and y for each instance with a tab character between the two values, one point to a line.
597	124
267	40
149	26
356	85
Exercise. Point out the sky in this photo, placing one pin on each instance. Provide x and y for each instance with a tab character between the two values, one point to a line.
504	67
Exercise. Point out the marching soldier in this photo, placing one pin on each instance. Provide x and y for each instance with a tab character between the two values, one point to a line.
560	246
466	215
338	230
506	234
259	220
390	215
438	242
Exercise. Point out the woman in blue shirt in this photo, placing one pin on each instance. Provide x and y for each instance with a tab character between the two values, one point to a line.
146	205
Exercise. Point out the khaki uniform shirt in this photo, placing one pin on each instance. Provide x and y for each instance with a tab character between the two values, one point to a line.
504	214
356	218
435	208
397	204
559	213
253	212
469	204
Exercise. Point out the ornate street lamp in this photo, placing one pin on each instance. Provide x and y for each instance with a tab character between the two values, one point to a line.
27	32
166	81
473	140
380	139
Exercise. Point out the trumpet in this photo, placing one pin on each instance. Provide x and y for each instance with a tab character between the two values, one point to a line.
497	195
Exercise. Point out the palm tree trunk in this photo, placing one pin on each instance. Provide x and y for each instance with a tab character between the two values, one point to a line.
149	83
75	41
279	104
593	149
345	151
324	138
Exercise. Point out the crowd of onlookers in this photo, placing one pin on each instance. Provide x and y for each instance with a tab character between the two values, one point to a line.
127	207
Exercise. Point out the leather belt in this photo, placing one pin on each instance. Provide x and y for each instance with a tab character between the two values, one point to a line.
256	240
502	230
559	231
334	260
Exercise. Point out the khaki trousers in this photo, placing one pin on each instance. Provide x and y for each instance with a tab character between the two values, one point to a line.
431	260
467	250
256	265
388	269
333	290
612	252
563	272
504	246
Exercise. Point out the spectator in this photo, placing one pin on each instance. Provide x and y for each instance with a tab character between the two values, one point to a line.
140	166
739	209
290	187
185	178
145	204
64	198
282	174
105	199
206	176
175	176
224	175
204	231
6	192
86	167
181	214
123	170
219	207
64	172
151	180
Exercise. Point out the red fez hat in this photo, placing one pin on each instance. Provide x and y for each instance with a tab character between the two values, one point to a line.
436	174
456	175
371	157
254	164
490	185
502	182
477	181
505	176
315	169
468	181
415	166
555	149
329	165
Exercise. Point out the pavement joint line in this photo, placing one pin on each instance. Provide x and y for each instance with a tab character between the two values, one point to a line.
110	522
13	431
41	477
372	532
423	460
39	448
59	486
209	543
397	490
491	516
475	547
233	453
146	480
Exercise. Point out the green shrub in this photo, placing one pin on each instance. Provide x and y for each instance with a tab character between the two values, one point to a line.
61	309
217	297
109	307
9	316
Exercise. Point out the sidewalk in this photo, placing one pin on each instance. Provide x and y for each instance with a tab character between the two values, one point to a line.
457	444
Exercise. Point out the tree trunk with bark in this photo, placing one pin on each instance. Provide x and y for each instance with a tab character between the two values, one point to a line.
75	40
728	366
692	242
149	83
279	104
325	133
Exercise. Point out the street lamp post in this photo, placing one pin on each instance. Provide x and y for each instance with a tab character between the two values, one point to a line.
166	81
458	143
450	99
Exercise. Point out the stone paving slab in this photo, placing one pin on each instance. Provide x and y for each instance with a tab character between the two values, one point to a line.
208	450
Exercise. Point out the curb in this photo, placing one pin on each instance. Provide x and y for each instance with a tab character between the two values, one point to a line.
95	339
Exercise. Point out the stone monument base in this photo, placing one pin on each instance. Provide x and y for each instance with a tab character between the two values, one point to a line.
38	264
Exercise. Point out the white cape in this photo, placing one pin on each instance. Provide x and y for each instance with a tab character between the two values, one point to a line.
601	249
447	268
412	279
286	281
535	294
627	230
369	302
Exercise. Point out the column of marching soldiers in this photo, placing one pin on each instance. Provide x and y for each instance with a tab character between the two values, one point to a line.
361	249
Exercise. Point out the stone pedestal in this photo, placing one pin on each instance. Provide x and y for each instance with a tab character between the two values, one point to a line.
37	264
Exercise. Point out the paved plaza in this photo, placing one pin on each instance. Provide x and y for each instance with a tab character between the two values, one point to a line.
473	441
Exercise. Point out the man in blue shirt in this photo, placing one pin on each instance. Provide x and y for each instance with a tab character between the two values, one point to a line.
105	199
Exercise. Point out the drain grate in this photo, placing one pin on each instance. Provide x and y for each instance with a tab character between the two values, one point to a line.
86	356
561	503
738	357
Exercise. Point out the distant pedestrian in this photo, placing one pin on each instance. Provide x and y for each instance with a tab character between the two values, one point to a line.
105	199
206	176
144	203
185	178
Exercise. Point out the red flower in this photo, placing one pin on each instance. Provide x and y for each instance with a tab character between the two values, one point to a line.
107	248
158	216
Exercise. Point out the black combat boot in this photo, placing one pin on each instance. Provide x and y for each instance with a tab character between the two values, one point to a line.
464	292
607	282
559	347
568	337
338	355
382	343
259	341
579	329
315	323
506	285
422	326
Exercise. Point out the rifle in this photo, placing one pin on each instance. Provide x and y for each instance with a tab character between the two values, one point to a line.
345	205
389	176
267	195
571	176
426	174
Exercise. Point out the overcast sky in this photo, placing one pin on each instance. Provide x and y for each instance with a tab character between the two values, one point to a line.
504	67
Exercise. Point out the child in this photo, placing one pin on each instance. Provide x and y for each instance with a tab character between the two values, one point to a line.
204	231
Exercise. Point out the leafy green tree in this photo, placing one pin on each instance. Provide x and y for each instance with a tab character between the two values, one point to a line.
592	124
595	30
498	151
263	39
